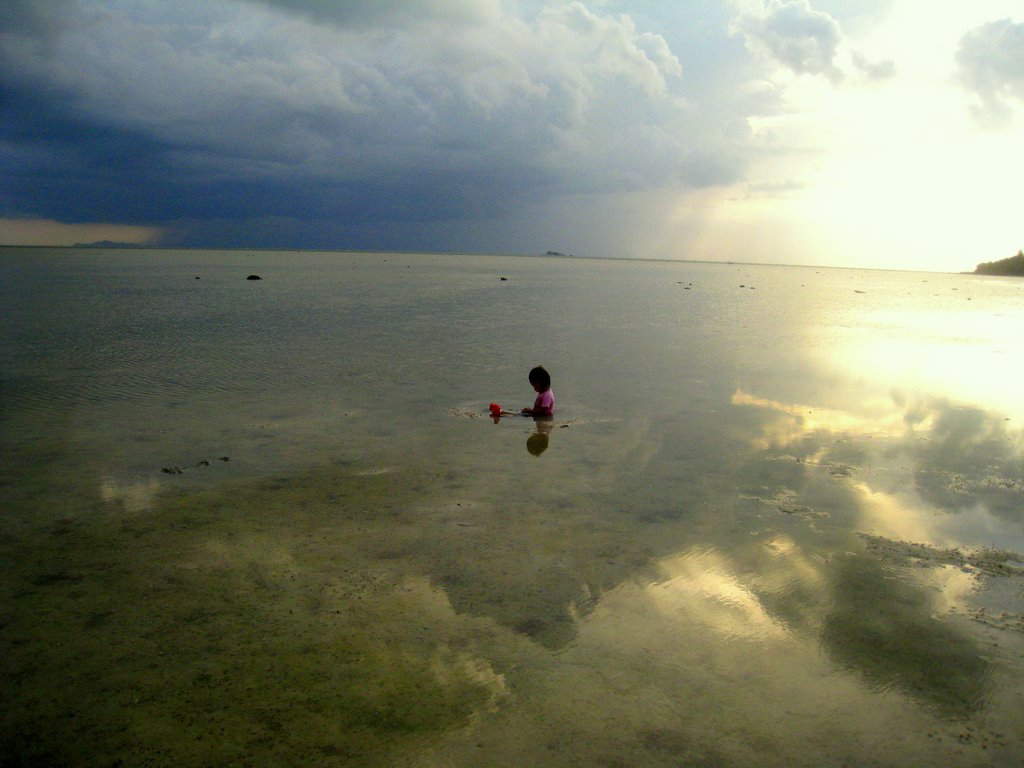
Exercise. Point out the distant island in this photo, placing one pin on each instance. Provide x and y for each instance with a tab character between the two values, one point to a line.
1013	266
107	244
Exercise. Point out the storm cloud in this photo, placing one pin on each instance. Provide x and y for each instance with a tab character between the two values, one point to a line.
312	112
435	125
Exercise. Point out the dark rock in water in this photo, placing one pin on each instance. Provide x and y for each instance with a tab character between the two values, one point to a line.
254	277
225	458
182	470
49	579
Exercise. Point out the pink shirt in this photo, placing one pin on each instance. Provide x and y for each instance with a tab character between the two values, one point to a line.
545	400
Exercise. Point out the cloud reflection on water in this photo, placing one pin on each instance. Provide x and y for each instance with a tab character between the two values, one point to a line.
709	657
919	457
921	470
703	582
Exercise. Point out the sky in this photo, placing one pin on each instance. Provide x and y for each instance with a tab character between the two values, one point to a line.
858	133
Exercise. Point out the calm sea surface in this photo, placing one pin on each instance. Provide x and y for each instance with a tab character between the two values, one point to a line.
777	519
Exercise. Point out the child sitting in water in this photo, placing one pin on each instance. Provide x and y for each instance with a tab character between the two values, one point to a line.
544	405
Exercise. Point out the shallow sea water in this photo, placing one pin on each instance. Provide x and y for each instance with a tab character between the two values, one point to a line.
777	520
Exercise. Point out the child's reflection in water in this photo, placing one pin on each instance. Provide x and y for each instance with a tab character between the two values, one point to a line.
537	443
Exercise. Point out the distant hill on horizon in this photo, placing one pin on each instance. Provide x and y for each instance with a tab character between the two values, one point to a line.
107	244
1013	266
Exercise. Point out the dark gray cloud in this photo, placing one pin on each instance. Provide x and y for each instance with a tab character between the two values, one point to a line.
811	40
359	13
990	61
794	34
354	120
34	18
232	110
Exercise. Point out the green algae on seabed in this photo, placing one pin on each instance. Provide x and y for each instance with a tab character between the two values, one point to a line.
222	626
423	616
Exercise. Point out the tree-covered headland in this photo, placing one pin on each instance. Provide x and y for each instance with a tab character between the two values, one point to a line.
1011	266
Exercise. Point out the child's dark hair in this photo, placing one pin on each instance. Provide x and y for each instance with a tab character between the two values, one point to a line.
540	377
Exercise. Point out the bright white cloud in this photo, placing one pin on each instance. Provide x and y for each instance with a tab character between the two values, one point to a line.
991	64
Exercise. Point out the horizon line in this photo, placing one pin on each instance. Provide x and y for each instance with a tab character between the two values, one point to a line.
495	254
